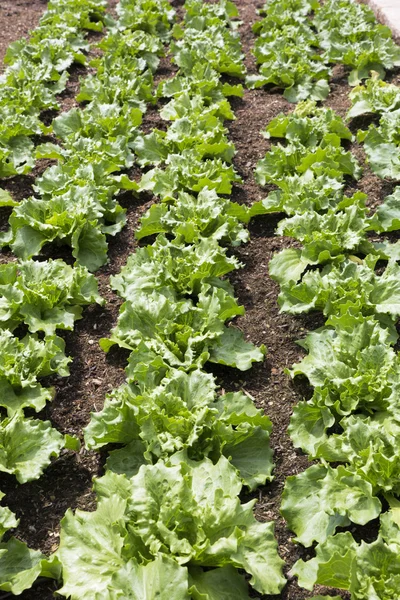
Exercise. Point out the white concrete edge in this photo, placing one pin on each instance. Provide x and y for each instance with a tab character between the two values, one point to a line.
388	13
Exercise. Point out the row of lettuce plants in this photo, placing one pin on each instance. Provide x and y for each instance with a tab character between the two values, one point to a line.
169	521
296	52
39	298
350	424
37	73
76	201
36	298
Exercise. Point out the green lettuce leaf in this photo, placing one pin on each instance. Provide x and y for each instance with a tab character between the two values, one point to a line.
306	192
187	171
161	578
217	584
369	446
308	125
332	565
294	159
375	96
317	501
7	519
27	447
350	34
382	152
20	566
351	366
388	214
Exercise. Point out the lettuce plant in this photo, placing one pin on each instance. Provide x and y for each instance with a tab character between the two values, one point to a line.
168	523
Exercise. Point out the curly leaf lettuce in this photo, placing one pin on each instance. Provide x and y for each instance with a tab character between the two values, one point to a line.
182	413
138	520
185	334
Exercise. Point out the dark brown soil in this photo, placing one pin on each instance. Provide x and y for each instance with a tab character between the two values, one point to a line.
17	18
67	482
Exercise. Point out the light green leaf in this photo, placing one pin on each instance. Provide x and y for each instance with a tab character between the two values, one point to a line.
7	519
388	212
317	501
232	350
90	549
217	584
89	247
6	199
258	555
19	566
288	265
160	579
250	453
27	446
332	565
308	426
188	511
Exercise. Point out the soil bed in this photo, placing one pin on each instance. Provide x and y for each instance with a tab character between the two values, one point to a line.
67	482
